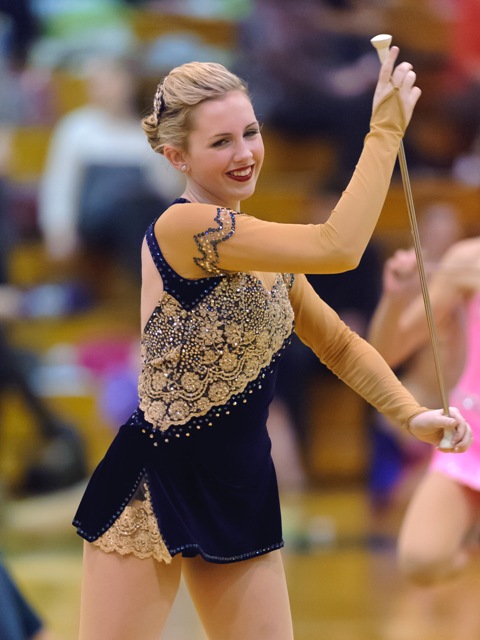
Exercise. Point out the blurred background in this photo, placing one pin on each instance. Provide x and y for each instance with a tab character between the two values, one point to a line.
78	187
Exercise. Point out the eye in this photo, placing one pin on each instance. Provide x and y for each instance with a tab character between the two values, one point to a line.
220	143
251	133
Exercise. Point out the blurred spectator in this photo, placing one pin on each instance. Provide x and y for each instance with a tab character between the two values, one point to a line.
74	30
25	97
19	30
226	9
465	73
173	49
444	133
59	459
465	51
18	620
311	69
102	186
396	461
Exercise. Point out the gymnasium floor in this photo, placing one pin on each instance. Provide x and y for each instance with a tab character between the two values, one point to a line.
339	563
339	556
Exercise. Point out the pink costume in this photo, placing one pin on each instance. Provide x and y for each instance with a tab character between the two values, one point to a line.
465	468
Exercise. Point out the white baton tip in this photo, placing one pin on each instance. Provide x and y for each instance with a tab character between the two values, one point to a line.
382	43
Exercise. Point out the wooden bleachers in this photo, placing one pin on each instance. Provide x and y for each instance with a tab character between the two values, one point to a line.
70	91
417	26
29	151
292	169
149	25
393	228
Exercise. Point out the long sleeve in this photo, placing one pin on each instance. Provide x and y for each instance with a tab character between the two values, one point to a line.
349	356
257	245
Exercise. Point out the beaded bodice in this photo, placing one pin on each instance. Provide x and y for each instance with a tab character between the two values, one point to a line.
207	339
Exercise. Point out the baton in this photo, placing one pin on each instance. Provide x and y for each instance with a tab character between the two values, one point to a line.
382	43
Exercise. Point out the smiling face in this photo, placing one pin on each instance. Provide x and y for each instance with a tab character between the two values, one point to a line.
225	151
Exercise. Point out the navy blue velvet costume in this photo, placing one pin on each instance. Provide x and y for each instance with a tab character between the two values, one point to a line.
191	470
196	452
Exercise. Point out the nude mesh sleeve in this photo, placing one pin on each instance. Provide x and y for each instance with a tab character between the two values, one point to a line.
349	356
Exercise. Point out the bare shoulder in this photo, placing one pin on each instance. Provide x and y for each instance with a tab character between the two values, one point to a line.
462	253
461	264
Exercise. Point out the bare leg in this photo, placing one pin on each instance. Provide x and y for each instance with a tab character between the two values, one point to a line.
43	635
124	597
244	600
431	541
285	449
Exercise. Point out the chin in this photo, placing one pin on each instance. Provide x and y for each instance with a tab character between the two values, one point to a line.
247	192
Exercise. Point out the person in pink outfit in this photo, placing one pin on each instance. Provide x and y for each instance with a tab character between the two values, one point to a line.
434	538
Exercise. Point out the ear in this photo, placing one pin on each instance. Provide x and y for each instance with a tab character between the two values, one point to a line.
175	156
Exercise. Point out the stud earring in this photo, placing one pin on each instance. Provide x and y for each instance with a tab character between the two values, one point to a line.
184	168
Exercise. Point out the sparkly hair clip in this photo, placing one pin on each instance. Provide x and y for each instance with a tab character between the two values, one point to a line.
158	104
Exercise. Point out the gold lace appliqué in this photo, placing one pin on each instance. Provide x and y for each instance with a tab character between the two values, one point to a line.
136	531
195	360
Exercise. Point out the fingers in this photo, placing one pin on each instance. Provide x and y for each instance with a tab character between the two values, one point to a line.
388	64
428	426
408	92
408	88
403	263
403	78
455	414
465	441
463	437
403	73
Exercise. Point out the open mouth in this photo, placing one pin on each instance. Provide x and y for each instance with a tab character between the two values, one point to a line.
241	175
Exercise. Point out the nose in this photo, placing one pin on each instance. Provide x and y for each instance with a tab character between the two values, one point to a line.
242	151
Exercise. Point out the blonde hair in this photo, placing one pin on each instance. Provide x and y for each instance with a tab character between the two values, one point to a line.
178	94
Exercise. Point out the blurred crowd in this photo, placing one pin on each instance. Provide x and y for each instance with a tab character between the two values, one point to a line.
298	58
311	71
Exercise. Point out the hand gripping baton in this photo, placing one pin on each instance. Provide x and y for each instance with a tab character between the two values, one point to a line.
382	43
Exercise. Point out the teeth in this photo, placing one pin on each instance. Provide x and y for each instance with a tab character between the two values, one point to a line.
241	174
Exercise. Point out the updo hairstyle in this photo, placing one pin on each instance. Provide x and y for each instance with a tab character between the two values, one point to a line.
177	95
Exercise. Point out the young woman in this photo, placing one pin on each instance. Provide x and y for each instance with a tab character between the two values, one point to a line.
188	485
434	538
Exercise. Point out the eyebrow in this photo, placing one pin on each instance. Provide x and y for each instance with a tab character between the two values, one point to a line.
220	135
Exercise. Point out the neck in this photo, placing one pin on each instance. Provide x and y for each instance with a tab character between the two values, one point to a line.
205	198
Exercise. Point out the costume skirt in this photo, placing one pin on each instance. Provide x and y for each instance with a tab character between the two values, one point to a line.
211	487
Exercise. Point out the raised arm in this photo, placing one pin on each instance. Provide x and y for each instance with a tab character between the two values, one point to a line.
332	247
401	286
399	325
